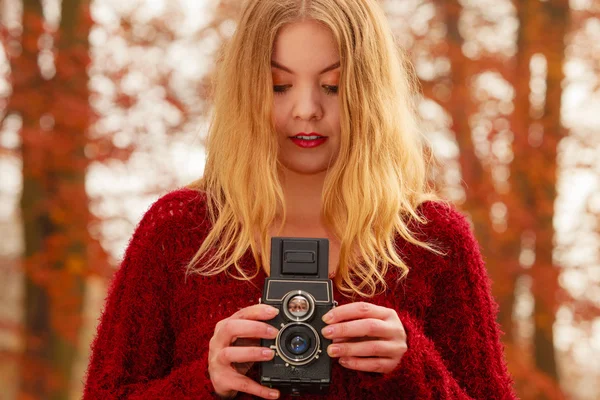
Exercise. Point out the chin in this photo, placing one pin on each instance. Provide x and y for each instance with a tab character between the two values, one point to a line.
307	168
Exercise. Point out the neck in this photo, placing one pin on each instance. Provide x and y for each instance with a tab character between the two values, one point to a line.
303	196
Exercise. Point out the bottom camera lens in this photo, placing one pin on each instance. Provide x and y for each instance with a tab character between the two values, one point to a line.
298	343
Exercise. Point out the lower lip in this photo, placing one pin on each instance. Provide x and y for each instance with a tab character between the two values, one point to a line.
308	144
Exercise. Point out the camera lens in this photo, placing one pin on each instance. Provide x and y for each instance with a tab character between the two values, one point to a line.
299	344
298	306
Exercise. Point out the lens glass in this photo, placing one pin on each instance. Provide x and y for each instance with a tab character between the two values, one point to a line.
299	344
298	306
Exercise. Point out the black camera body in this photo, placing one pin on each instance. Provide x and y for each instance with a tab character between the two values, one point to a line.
300	288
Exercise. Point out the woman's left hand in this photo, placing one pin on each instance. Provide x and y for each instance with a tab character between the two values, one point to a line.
380	332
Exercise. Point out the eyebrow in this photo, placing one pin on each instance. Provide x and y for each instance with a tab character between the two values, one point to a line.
286	69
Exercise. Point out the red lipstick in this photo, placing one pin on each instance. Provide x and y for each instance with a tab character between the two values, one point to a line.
308	140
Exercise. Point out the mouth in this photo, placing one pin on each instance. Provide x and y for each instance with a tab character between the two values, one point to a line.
308	141
312	137
308	136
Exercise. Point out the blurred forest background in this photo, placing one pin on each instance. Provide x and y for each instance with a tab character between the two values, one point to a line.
104	107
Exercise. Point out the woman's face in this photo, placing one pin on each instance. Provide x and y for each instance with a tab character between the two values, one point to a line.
306	72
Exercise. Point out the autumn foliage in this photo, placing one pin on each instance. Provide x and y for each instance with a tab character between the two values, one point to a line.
501	106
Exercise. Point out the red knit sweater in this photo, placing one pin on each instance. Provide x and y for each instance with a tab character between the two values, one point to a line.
152	339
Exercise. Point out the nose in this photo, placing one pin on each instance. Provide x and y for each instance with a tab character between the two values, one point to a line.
307	104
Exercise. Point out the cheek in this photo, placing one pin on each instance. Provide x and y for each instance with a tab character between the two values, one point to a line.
279	115
334	112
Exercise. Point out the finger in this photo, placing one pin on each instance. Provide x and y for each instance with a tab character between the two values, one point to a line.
261	312
371	348
244	384
371	327
375	364
230	354
351	340
358	310
228	329
246	342
247	385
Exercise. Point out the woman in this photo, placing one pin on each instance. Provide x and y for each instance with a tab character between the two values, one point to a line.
314	134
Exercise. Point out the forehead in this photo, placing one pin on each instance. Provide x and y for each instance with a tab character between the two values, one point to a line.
305	47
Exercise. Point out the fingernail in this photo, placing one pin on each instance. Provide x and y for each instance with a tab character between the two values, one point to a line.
273	395
327	331
268	353
271	331
343	361
333	350
327	318
273	311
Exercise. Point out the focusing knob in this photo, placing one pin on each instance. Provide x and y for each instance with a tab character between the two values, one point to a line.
274	348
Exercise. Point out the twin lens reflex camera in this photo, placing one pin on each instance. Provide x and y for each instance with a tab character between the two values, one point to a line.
299	287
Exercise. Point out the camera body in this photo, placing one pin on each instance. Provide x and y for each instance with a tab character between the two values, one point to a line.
300	288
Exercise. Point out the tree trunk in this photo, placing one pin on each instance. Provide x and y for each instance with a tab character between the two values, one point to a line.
54	202
545	287
500	251
537	133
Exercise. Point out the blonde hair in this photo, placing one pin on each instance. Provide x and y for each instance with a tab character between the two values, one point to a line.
373	189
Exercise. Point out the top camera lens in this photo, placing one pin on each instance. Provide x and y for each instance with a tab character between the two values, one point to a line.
298	305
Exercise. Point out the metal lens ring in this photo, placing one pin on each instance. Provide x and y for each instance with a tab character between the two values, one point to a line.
298	305
298	343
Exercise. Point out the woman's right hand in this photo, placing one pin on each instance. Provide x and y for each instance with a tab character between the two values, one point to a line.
228	378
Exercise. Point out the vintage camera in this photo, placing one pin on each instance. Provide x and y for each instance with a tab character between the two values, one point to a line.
299	287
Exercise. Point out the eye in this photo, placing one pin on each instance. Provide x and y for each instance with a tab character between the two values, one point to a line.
281	89
331	89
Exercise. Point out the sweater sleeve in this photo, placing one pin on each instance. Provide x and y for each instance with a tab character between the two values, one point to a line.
456	352
132	352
